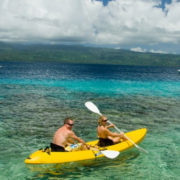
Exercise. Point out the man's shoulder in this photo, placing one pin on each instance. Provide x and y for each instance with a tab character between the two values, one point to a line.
61	128
70	131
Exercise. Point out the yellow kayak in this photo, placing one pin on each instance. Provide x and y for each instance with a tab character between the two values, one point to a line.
47	157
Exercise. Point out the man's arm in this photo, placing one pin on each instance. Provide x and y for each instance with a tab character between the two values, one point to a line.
73	136
79	139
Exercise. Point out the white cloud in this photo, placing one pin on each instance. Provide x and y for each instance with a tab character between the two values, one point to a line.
138	49
122	23
158	51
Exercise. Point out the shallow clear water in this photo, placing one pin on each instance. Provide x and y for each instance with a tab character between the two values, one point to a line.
36	97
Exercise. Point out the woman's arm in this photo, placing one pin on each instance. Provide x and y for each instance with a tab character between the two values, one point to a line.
109	133
110	126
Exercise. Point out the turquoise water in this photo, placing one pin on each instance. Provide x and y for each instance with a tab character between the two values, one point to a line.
36	97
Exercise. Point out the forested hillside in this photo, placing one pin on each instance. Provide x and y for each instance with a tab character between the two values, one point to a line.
81	54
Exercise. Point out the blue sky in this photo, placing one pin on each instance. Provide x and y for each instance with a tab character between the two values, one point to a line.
162	3
137	25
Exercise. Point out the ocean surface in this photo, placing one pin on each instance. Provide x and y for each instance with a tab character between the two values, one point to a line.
36	97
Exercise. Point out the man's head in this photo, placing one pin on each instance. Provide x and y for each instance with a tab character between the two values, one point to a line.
69	122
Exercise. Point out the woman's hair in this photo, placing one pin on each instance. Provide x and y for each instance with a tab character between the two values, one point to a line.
100	120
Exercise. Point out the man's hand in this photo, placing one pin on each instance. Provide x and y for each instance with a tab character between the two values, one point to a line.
88	146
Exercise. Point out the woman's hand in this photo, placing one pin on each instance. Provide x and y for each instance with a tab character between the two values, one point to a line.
111	126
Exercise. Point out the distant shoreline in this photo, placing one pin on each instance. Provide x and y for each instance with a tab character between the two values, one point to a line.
83	55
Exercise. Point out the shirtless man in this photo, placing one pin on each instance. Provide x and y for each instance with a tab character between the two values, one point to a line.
106	137
65	135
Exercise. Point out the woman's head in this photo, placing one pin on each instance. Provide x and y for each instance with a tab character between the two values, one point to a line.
102	120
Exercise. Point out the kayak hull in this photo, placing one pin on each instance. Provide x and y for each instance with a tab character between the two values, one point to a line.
47	157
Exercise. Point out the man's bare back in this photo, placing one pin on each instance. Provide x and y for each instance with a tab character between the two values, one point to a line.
61	136
64	135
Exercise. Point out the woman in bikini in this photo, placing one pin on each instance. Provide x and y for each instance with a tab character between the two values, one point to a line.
106	137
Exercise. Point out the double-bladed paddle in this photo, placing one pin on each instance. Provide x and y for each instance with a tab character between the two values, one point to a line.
92	107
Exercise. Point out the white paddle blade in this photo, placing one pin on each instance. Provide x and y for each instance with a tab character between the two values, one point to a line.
110	154
92	107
